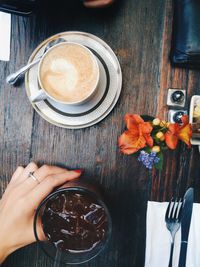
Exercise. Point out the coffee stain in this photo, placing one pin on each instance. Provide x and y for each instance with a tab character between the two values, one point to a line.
123	53
98	159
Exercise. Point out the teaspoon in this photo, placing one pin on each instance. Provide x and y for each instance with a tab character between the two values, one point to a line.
13	78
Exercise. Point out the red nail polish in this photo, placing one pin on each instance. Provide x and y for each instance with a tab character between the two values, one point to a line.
78	171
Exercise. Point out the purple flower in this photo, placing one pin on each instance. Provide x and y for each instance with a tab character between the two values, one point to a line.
148	159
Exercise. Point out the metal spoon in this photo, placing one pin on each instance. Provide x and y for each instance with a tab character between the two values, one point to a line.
57	258
12	78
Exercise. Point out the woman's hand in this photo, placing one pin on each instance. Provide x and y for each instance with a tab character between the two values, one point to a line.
98	3
21	199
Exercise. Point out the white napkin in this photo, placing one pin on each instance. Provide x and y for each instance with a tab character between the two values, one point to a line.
158	238
5	31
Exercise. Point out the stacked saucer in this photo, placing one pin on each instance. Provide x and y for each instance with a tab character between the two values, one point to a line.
103	101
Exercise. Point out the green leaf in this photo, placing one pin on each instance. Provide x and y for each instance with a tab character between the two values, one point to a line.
159	165
147	118
147	149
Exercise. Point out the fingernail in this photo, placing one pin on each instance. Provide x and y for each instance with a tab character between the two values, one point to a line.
78	171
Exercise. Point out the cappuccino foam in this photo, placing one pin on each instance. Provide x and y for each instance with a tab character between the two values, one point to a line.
69	73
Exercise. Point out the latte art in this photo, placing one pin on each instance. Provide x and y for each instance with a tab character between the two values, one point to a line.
69	73
62	75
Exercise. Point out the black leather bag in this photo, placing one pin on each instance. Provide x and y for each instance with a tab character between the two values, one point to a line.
20	7
186	33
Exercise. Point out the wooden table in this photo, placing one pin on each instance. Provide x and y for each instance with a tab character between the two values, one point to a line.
140	34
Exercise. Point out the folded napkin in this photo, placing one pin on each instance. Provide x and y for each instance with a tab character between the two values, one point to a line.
5	31
158	238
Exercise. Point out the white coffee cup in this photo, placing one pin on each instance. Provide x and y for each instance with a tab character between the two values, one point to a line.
68	73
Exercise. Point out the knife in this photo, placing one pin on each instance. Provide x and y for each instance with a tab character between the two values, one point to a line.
185	225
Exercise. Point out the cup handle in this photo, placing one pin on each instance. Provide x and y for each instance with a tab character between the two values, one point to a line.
39	96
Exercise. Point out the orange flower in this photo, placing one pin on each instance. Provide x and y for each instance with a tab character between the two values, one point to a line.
137	136
179	132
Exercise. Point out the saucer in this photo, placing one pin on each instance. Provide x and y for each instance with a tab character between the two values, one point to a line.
95	109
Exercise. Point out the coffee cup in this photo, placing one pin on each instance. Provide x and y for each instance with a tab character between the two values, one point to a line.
68	73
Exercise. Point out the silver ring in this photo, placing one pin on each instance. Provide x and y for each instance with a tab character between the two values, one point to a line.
31	175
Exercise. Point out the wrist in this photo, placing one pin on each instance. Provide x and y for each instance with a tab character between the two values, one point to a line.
3	255
5	250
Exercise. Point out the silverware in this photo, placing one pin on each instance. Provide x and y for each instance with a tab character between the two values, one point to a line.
185	224
57	258
173	221
13	78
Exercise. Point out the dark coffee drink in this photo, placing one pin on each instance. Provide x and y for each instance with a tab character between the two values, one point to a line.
74	221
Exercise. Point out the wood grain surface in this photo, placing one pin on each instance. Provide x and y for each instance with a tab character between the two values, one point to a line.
140	34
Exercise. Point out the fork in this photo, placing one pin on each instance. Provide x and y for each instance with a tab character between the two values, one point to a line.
173	221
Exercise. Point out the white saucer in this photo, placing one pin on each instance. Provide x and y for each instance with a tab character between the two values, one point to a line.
96	109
